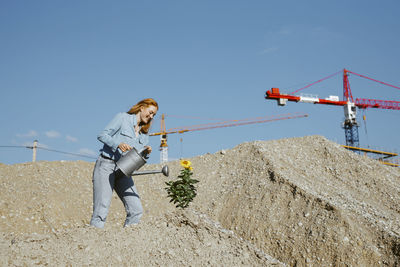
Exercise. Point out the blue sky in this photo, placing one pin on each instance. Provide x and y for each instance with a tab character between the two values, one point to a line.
67	67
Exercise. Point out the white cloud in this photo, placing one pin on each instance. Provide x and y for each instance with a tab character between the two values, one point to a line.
71	139
52	134
87	152
31	133
270	50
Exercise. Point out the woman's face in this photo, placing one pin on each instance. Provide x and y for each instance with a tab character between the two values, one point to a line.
147	113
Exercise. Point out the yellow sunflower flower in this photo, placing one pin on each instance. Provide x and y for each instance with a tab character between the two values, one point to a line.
186	164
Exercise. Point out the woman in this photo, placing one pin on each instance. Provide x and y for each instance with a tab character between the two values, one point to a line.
125	131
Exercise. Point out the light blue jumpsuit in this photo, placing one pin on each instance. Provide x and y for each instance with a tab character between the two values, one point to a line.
106	176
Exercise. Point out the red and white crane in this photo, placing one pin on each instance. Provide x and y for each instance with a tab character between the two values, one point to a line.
350	105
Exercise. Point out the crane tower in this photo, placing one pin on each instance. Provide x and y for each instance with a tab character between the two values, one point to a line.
163	144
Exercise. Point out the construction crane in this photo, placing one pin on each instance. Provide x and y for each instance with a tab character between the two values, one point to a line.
350	106
220	124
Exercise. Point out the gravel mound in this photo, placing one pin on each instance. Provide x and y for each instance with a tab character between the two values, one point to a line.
298	201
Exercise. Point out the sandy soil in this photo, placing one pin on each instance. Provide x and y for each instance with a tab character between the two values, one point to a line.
290	202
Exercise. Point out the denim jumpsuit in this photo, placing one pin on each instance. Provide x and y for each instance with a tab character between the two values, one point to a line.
106	176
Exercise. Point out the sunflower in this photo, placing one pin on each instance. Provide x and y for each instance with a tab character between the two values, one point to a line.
186	164
182	190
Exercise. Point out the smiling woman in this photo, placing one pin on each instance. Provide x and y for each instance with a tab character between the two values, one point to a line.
126	131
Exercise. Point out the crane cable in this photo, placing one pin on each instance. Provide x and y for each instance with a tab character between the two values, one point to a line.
51	150
360	75
363	76
365	125
323	79
67	153
181	148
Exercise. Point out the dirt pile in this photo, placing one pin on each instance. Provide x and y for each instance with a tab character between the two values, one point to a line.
300	201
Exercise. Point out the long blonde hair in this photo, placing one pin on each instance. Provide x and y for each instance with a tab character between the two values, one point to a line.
136	108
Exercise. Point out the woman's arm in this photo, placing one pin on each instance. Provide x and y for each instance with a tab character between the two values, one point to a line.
106	136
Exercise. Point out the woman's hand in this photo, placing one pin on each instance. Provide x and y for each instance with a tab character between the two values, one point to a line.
148	149
124	147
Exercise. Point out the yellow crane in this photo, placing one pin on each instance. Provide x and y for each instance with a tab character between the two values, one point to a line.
220	124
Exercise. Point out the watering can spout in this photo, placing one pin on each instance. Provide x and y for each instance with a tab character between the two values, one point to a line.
164	171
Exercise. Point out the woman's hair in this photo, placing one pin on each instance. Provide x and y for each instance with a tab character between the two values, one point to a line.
136	108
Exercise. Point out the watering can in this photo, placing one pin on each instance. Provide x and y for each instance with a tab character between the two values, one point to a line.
133	160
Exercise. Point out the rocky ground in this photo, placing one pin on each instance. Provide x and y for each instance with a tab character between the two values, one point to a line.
295	202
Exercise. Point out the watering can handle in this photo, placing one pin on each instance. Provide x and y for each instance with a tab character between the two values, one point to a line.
143	153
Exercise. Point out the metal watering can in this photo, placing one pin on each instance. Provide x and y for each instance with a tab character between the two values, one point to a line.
133	160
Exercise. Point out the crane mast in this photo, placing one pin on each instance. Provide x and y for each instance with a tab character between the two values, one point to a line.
163	142
350	124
